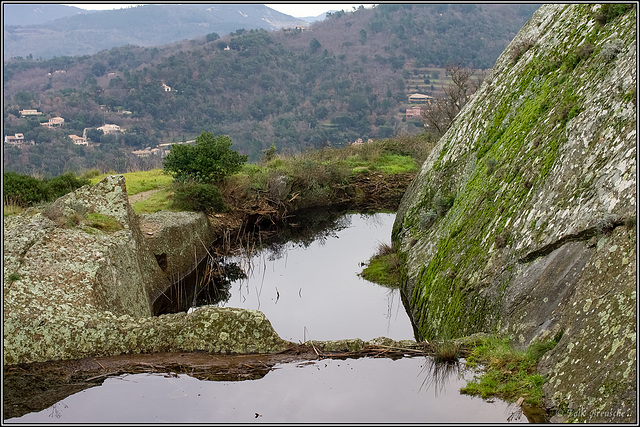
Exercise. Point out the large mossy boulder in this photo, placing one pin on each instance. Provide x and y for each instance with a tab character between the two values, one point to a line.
80	281
522	220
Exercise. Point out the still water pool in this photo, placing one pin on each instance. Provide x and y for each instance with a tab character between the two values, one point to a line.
369	390
310	290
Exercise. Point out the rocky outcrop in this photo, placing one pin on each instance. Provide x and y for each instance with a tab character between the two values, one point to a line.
80	280
178	240
522	220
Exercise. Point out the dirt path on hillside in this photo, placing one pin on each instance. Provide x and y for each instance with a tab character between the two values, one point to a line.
141	196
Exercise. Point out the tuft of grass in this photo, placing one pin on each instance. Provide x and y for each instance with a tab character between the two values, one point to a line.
102	222
446	351
13	277
508	373
384	267
12	206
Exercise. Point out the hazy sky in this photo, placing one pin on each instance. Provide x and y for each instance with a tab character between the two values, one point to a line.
293	9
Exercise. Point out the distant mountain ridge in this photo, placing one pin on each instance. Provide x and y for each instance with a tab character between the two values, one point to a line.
80	33
36	13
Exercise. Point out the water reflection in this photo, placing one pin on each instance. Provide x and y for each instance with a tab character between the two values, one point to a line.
371	390
56	410
309	287
437	375
207	284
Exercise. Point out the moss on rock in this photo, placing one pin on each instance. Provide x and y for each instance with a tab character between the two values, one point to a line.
541	164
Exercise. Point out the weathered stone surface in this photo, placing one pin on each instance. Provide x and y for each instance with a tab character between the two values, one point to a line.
72	290
179	240
541	168
72	335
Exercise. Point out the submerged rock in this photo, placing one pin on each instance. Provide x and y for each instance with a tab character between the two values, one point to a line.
522	220
80	281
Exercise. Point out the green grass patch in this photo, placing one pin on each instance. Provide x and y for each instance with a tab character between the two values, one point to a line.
102	222
384	267
507	373
392	164
156	202
13	277
11	207
138	182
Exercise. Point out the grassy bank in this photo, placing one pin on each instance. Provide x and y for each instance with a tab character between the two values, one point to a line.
282	183
506	372
279	184
384	268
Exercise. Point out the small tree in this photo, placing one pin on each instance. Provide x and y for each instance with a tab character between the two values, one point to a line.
363	36
314	45
439	116
211	37
210	160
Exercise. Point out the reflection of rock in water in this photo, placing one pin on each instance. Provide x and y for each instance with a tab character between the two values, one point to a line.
216	284
305	228
23	394
40	386
208	284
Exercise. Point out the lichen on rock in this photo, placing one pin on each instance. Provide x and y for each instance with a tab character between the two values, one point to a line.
541	169
178	240
72	290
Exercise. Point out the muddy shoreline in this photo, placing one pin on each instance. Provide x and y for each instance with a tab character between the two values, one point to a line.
36	386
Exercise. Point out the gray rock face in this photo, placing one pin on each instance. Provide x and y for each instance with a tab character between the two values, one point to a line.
522	220
80	279
178	240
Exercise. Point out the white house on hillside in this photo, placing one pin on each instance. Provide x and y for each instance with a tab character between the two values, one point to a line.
109	128
78	140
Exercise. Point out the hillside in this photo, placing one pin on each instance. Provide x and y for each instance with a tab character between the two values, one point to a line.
342	79
145	25
33	13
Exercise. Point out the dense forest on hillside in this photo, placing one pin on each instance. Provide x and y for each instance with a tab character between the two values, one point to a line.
344	78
